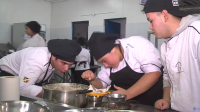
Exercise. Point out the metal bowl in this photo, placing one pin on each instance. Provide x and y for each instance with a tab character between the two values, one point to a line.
95	98
116	97
22	106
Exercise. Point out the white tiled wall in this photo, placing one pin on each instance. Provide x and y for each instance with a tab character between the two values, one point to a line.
137	29
92	29
61	33
5	32
62	16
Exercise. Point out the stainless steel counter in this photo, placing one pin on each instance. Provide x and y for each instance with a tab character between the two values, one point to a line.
136	107
57	107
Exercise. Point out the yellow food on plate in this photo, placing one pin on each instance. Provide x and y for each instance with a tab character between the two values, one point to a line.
98	94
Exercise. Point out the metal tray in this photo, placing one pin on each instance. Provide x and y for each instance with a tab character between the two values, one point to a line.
22	106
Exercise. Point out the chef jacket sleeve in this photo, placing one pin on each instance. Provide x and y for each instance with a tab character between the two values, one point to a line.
166	78
148	56
29	73
198	50
166	82
28	43
104	76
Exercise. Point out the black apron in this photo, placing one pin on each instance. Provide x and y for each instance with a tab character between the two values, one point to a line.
126	77
41	83
83	62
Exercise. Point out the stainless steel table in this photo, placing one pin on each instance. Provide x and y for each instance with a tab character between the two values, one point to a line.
58	107
55	107
136	107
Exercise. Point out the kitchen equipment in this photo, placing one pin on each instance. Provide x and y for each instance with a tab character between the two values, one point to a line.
10	88
22	106
96	97
116	97
95	90
93	109
69	93
114	105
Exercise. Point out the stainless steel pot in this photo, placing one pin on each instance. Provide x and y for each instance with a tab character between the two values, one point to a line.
69	93
22	106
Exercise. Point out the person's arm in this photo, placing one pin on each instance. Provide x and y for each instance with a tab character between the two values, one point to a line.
166	94
30	71
143	84
164	103
92	79
103	79
166	78
150	64
97	83
40	95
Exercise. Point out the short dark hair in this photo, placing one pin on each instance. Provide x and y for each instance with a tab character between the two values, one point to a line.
82	41
34	26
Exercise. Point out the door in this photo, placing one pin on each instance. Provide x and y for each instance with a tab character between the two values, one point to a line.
112	27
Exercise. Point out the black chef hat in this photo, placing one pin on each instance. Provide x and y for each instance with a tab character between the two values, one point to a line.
172	6
100	44
64	49
34	26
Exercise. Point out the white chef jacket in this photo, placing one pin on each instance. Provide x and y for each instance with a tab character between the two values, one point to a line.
30	63
139	53
26	37
181	60
84	55
35	41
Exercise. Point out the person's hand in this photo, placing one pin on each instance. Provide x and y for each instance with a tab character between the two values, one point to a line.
162	104
88	75
40	95
120	90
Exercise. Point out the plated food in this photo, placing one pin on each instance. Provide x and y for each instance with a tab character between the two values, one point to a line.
65	87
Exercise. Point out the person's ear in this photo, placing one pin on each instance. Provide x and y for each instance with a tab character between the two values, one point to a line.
165	15
113	50
53	57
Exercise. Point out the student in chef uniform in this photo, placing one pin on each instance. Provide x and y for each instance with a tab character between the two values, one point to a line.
131	64
82	63
35	40
34	65
180	54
